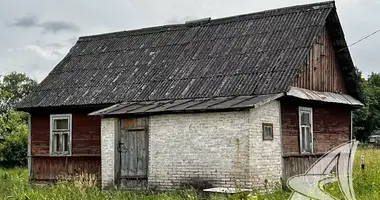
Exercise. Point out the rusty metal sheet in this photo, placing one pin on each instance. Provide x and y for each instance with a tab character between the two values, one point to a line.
128	108
252	102
184	105
230	102
323	96
164	107
206	104
148	107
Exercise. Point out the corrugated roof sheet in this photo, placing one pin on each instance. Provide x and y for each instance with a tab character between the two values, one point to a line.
244	55
323	96
207	104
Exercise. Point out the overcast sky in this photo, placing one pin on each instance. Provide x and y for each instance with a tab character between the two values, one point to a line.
35	35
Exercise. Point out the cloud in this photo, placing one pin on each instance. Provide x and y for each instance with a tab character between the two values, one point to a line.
55	45
26	22
179	20
57	26
72	40
47	26
51	51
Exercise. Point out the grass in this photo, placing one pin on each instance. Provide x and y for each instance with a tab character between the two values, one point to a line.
14	185
366	183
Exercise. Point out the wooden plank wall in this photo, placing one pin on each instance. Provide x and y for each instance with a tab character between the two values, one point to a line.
321	71
294	165
51	168
85	147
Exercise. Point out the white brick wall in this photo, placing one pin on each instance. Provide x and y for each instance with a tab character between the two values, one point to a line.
210	147
265	156
108	150
219	148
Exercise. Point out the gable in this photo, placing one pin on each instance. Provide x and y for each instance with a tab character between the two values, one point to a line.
329	66
321	70
247	55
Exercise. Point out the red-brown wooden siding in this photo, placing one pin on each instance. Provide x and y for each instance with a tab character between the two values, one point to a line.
331	126
321	71
85	147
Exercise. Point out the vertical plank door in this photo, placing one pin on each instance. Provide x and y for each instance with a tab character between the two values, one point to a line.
133	148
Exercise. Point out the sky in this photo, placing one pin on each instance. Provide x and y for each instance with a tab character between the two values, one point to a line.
36	35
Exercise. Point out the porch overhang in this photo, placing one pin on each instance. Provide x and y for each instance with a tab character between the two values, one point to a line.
187	105
328	97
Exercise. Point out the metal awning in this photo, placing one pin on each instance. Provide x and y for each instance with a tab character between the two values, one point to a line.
323	96
205	104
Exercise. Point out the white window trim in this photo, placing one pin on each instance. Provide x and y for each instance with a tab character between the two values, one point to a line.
52	118
306	109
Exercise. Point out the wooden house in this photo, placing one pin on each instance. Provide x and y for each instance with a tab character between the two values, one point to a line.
251	98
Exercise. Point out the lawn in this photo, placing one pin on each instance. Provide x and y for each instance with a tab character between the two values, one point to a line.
14	185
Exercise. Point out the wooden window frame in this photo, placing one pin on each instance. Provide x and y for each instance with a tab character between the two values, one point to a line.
60	132
300	111
263	128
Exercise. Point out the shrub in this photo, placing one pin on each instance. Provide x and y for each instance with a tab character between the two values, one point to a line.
13	150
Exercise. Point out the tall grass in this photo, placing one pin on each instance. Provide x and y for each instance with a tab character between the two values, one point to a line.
14	185
366	183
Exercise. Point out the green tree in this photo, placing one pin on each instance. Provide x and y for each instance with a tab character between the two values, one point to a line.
13	149
17	84
5	98
367	119
13	125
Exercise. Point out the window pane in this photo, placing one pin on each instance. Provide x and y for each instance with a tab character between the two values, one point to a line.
56	143
306	140
61	124
303	143
65	142
267	132
305	118
309	139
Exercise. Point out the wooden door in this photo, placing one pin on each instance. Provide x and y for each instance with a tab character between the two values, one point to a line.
133	148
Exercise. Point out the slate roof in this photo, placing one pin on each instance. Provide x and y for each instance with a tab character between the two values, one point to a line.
246	55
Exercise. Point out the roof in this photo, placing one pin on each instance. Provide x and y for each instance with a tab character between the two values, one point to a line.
188	105
323	96
245	55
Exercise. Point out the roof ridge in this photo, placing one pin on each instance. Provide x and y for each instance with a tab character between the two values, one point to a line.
228	19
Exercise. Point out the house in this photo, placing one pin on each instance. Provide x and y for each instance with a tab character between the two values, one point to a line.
252	98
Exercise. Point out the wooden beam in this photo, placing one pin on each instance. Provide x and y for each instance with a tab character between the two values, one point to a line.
29	146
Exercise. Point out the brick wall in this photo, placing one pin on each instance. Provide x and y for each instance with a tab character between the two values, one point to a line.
211	147
218	148
108	149
265	156
331	126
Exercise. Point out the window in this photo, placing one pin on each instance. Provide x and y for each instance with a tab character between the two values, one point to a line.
306	129
267	131
60	134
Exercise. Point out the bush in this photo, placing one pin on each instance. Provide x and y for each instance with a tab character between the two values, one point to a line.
14	148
